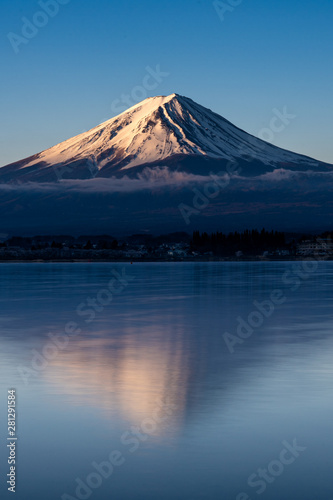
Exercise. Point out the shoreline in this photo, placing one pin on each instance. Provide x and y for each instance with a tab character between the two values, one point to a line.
136	261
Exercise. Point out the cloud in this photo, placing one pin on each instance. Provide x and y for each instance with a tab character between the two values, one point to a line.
163	178
148	179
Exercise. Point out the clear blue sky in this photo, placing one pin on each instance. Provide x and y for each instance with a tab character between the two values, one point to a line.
263	55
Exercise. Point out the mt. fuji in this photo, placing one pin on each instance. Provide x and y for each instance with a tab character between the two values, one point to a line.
168	163
172	131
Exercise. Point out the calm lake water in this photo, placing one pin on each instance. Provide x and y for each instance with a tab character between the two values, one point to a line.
152	382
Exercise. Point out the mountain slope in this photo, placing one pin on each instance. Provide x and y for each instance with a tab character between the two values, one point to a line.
163	130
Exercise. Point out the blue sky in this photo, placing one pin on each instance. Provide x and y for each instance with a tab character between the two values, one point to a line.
257	57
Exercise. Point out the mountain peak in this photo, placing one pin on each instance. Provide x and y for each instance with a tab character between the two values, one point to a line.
150	103
155	130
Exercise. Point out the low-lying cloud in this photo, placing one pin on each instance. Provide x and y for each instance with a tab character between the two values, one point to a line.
164	178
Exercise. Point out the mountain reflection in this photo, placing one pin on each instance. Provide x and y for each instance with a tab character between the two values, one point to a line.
127	375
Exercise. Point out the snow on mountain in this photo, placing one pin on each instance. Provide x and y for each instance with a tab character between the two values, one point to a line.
154	130
133	173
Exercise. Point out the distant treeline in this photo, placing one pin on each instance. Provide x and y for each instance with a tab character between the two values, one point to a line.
249	241
87	242
56	241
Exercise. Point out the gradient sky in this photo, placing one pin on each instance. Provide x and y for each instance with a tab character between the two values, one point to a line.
262	56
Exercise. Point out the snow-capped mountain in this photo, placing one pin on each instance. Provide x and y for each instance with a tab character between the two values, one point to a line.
164	130
162	166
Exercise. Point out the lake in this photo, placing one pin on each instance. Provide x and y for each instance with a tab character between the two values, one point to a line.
160	381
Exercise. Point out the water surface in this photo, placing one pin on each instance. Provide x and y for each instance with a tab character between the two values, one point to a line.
151	376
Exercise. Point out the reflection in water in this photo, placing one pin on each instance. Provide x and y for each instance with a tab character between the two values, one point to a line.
127	375
162	340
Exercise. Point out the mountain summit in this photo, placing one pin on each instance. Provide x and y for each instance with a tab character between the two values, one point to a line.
163	165
164	130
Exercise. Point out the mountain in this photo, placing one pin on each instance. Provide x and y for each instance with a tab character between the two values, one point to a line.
171	131
167	164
